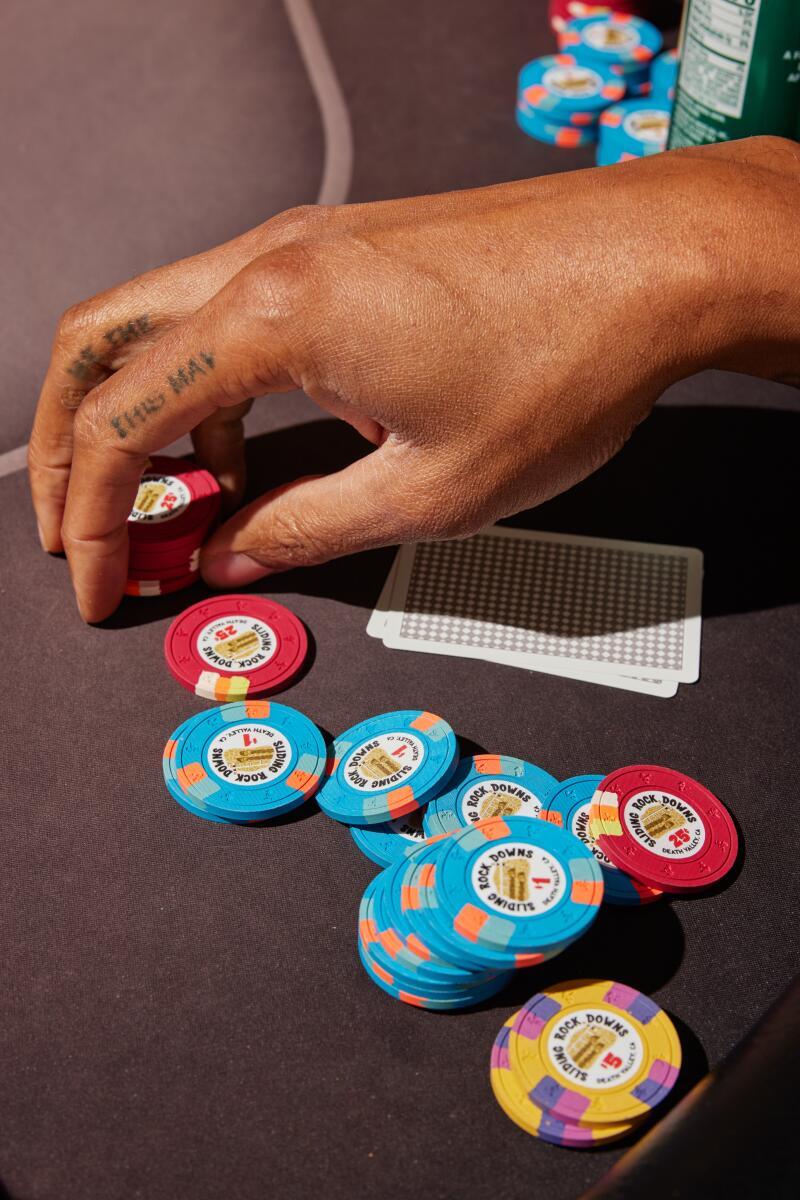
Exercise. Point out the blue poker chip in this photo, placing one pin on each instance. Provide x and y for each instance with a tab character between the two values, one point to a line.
618	39
664	75
489	785
247	761
384	844
557	88
173	787
635	127
517	885
568	806
569	137
388	953
465	999
420	903
418	953
388	766
457	929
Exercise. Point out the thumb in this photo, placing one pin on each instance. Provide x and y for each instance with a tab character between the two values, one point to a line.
311	521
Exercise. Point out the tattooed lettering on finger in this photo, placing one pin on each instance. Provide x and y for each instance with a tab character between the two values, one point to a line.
131	331
92	362
183	377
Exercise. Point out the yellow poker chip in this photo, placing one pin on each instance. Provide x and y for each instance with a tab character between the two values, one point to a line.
510	1095
594	1051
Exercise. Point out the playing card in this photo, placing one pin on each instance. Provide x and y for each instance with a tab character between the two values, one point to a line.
582	607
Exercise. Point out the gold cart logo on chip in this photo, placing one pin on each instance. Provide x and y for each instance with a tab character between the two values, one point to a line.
658	819
499	804
239	647
511	881
586	1045
377	764
250	758
149	494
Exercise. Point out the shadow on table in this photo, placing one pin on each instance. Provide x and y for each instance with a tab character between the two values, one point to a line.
720	478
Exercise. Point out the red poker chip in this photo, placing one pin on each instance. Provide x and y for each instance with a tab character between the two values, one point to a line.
233	647
175	504
188	565
160	587
663	828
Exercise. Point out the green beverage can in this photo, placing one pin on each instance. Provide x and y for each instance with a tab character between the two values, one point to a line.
739	72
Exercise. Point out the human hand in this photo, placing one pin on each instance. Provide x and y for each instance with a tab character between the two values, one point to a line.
495	345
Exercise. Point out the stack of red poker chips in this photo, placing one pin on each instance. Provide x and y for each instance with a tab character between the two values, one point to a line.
176	505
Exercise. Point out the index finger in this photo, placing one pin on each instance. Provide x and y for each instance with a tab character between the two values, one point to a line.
217	358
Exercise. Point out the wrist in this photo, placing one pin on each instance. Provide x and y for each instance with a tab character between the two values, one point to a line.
743	239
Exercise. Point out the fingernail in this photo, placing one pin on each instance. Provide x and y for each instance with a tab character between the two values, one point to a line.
42	542
232	570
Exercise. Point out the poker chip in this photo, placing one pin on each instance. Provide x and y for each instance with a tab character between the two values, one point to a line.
594	1052
195	807
567	136
245	762
619	39
568	805
512	1098
489	785
175	499
515	885
663	828
160	587
407	976
559	89
635	127
175	506
421	904
384	844
231	647
388	766
408	937
664	75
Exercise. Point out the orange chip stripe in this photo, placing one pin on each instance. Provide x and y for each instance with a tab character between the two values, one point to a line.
587	891
189	775
487	764
425	720
390	942
470	921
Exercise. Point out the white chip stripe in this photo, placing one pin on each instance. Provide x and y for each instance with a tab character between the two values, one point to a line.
207	684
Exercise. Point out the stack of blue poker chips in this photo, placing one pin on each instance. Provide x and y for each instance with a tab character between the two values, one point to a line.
633	129
559	100
244	763
445	925
664	76
624	43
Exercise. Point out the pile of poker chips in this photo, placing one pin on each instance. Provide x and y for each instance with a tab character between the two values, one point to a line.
175	507
584	1062
235	646
444	927
560	100
633	129
623	43
245	762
